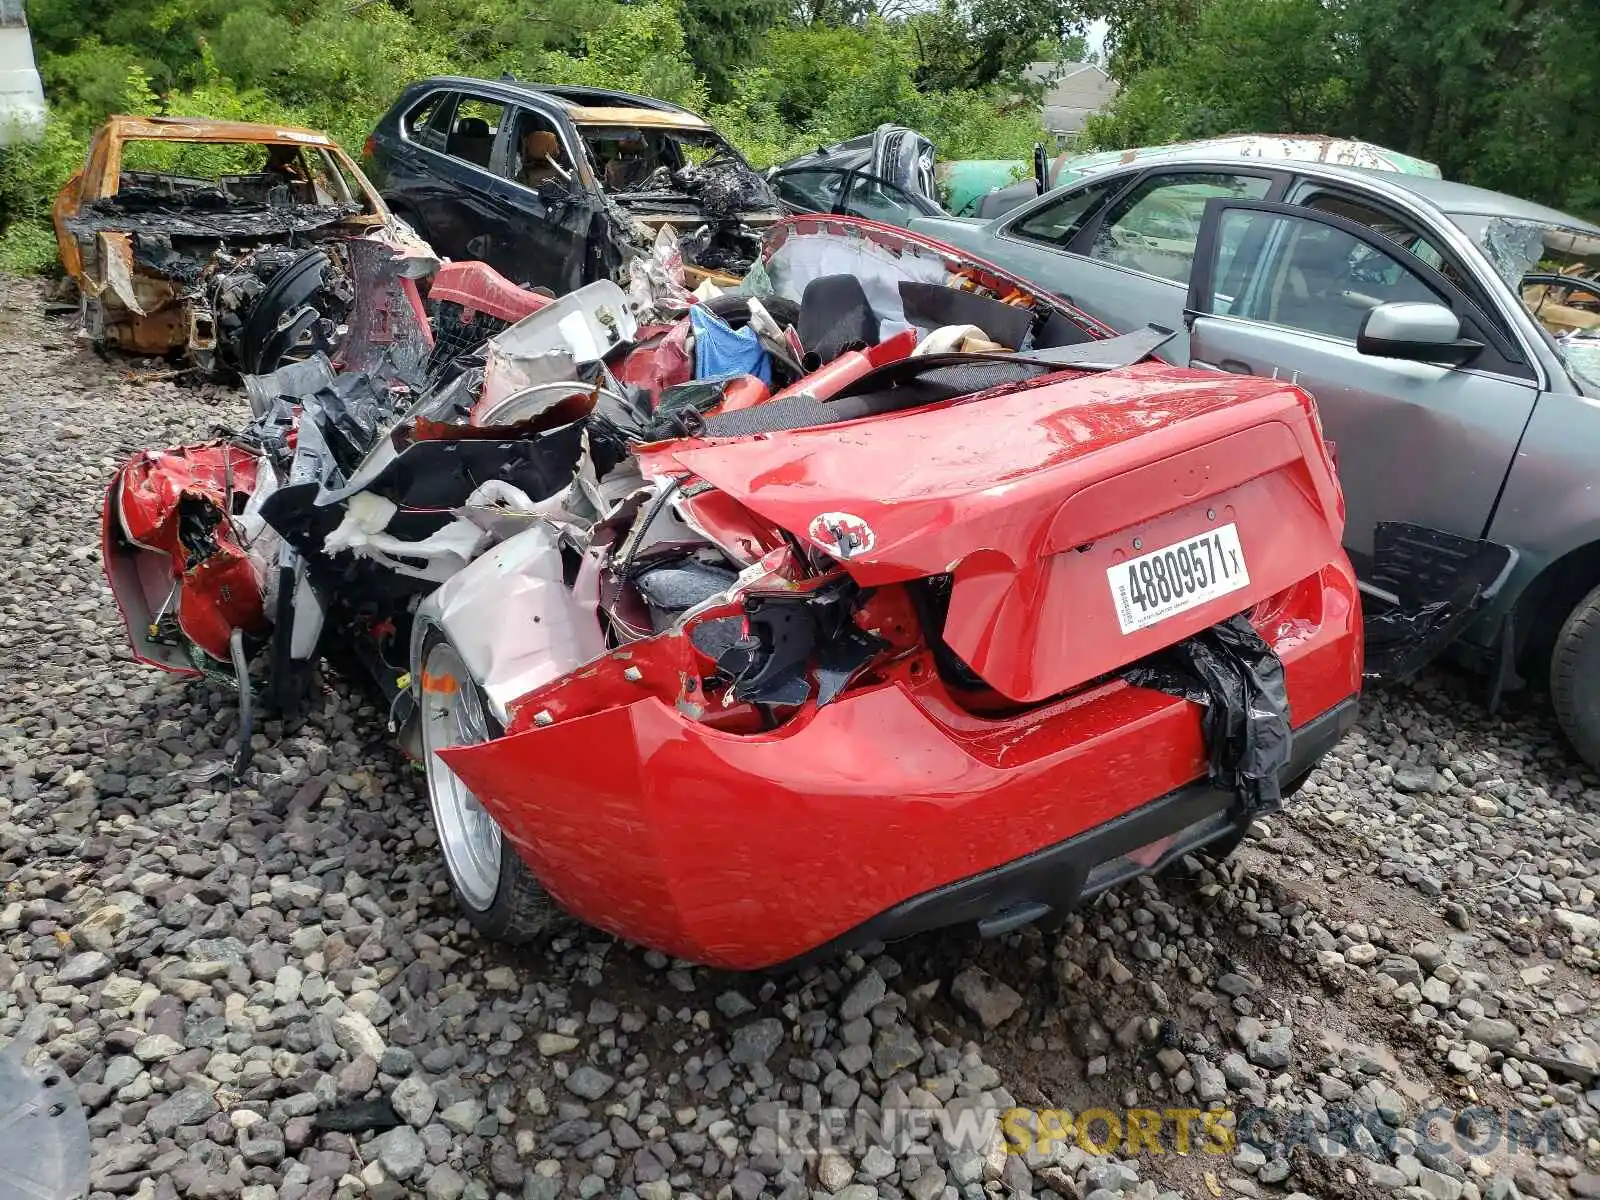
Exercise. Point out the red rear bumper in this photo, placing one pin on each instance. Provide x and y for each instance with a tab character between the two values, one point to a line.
746	851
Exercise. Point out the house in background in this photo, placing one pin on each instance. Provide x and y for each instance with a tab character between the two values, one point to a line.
1073	92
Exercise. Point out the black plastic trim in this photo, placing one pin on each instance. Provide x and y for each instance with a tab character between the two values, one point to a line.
1060	877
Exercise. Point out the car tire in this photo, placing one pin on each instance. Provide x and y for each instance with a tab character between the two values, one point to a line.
493	887
1575	678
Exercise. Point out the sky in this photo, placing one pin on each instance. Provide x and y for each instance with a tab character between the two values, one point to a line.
1096	34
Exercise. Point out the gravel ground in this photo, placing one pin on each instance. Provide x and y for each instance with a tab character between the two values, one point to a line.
266	992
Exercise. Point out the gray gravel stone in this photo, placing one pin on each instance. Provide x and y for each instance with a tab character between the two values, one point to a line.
400	1151
756	1042
191	1106
414	1100
1493	1032
987	998
863	996
589	1083
289	938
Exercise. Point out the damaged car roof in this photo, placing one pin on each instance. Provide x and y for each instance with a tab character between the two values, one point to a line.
645	119
204	129
577	100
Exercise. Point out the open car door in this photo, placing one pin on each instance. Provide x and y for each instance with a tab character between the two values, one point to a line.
1423	398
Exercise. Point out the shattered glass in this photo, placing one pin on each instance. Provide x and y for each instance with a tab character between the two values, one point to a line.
1513	247
1581	353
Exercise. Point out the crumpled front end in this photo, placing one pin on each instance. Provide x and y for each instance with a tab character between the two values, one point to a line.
185	549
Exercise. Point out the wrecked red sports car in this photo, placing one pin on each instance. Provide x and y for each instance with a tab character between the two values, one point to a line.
886	595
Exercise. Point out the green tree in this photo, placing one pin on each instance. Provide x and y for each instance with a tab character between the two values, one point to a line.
723	36
1496	92
973	44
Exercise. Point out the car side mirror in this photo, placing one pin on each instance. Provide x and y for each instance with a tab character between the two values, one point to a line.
1416	332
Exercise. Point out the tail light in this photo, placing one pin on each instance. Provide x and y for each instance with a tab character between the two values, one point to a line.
370	146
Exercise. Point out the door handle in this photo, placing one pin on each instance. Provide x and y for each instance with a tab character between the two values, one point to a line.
1231	365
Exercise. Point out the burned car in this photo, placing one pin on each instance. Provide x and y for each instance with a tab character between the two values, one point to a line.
884	595
556	187
239	247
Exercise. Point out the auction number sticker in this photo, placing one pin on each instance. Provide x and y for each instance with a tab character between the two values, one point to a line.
1149	589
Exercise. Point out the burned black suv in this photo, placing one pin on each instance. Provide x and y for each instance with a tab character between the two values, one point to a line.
554	185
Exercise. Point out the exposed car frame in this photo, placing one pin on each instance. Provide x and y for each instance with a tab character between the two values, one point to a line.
166	275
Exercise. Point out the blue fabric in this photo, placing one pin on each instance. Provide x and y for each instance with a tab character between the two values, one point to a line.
721	352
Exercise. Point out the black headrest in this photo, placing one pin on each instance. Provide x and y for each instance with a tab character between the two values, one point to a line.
472	127
834	316
1321	253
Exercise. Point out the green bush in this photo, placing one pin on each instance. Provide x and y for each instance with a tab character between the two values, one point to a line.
32	172
28	248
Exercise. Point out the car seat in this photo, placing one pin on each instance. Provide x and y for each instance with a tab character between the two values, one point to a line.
632	165
1319	270
541	150
835	316
472	140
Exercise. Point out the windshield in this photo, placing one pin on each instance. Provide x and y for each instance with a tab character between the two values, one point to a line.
1556	271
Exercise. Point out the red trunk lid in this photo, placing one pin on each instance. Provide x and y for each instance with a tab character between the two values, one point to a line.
1029	497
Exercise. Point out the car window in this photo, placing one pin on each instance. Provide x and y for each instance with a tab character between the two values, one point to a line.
1303	274
428	124
1406	235
877	200
536	157
814	191
1397	231
473	130
1055	224
1154	228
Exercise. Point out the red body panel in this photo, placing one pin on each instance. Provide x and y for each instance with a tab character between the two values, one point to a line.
660	359
479	288
832	378
1028	518
743	851
219	591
